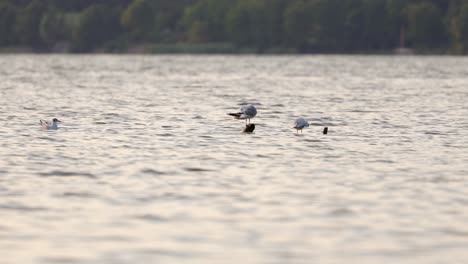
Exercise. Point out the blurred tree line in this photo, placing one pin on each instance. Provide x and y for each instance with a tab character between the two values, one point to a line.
302	26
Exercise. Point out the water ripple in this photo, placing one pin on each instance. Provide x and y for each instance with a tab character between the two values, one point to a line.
60	173
148	168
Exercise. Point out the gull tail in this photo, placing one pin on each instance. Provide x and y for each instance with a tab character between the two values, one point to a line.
237	115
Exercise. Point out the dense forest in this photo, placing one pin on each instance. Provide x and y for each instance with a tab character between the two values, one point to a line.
223	26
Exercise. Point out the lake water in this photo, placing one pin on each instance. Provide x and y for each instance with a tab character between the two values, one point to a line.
148	168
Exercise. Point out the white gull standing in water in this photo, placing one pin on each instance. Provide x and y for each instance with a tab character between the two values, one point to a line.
48	125
300	124
245	112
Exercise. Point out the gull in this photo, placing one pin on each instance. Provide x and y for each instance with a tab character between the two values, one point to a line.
300	124
49	126
245	112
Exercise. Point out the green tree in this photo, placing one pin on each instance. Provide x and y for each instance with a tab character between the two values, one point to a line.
426	28
463	26
305	25
71	23
139	20
341	26
97	24
254	23
396	10
204	21
330	30
298	24
52	27
378	31
28	21
355	27
169	13
275	14
7	20
72	6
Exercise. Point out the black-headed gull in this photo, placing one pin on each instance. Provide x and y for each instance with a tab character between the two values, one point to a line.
245	112
300	124
48	125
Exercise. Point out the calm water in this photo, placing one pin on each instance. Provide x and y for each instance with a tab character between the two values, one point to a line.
148	168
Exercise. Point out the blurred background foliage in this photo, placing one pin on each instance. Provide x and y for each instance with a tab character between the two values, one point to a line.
235	26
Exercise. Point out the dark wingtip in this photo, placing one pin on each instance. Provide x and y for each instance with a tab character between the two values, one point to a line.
325	130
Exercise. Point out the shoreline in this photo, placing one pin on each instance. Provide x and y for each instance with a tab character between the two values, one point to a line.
214	49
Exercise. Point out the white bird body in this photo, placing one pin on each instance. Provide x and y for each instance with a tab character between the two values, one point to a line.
50	125
245	112
300	123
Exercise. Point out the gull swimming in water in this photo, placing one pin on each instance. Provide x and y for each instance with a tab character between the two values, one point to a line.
245	112
49	126
300	124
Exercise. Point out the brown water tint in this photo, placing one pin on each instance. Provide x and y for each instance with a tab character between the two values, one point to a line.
148	168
